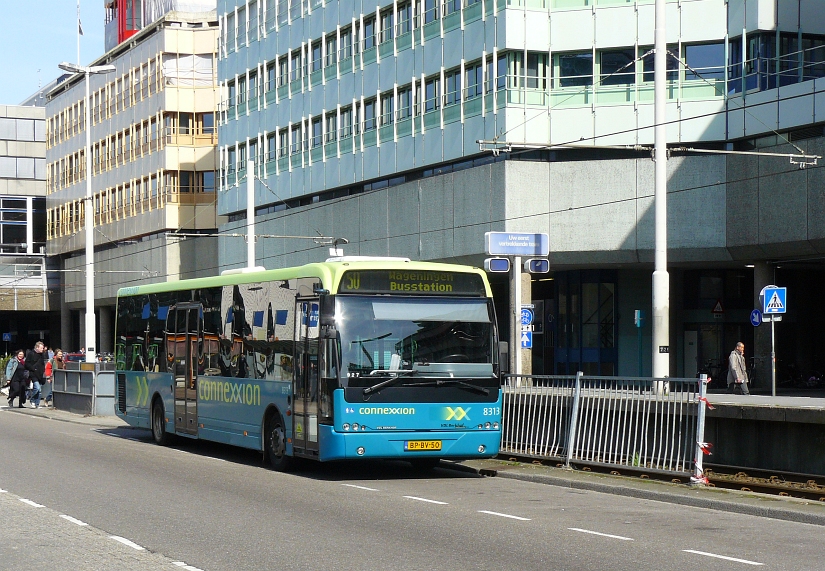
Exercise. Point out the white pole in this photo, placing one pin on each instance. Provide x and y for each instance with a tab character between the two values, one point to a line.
515	336
773	358
90	237
250	214
661	280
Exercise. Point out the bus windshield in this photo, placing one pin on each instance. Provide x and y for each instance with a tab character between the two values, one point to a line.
385	334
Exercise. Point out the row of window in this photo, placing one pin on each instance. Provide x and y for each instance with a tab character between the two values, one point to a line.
131	199
250	23
14	222
132	87
138	140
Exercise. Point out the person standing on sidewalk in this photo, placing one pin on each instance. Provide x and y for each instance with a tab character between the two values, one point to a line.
57	363
36	365
737	370
16	372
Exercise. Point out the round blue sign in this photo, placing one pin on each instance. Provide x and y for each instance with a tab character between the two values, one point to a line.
756	318
526	316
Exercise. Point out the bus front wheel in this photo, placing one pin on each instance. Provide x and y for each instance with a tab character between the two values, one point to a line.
159	424
276	444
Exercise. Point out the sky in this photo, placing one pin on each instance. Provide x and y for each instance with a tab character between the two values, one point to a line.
38	35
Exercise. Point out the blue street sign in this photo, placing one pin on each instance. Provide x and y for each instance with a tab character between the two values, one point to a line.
516	244
526	316
501	265
756	318
6	336
526	339
773	299
537	266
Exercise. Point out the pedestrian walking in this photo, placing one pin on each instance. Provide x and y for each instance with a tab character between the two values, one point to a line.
737	371
36	365
16	371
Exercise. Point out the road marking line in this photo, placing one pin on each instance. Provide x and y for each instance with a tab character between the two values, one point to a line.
185	566
504	515
426	500
125	541
745	561
31	503
601	534
3	491
73	520
360	487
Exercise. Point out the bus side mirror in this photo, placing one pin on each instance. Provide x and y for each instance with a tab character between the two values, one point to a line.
327	311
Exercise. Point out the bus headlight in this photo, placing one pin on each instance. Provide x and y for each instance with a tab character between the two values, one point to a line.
481	448
495	426
345	426
487	425
355	426
360	450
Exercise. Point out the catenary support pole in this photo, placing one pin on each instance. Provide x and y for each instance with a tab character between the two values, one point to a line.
89	342
250	214
661	279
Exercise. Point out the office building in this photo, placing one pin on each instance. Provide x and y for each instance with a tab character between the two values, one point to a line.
412	128
153	166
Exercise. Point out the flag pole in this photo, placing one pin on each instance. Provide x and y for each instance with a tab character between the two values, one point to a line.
78	33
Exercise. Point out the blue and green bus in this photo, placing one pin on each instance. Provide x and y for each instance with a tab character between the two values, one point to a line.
350	358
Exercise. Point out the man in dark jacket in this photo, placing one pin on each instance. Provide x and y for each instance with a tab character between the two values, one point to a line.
36	365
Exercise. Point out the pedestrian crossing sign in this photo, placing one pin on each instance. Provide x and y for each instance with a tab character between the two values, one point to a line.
773	300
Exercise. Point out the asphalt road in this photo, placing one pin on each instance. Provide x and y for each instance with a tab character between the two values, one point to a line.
217	508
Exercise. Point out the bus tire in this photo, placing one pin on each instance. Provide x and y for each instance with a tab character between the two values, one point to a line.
275	441
159	433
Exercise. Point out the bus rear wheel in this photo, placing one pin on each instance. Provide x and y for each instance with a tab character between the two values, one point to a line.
275	435
159	433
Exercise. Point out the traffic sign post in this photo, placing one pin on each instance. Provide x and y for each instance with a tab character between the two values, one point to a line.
773	300
516	245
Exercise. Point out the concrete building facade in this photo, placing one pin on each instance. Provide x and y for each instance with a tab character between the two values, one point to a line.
29	292
153	166
411	128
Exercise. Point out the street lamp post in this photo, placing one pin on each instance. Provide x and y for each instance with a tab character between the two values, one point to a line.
89	342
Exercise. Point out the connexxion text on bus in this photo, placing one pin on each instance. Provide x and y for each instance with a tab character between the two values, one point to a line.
351	358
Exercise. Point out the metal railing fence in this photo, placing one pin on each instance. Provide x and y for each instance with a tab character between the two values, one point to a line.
644	423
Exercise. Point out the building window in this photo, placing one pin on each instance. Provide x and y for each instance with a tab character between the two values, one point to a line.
431	8
317	61
283	142
672	64
617	67
345	50
317	132
241	90
346	122
369	115
369	33
270	147
230	90
432	94
295	72
270	76
705	62
386	26
404	103
404	13
473	80
576	69
332	127
452	87
387	108
332	50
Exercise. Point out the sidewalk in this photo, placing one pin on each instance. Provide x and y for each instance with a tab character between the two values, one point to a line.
750	503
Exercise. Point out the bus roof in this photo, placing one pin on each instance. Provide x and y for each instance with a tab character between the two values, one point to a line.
329	273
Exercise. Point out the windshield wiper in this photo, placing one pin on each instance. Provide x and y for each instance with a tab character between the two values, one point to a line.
390	381
453	382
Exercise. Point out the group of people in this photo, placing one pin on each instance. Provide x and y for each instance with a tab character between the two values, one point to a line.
29	375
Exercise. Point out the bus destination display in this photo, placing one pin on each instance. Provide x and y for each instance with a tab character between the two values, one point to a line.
411	282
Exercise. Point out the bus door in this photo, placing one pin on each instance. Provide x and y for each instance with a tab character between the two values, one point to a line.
183	355
305	380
